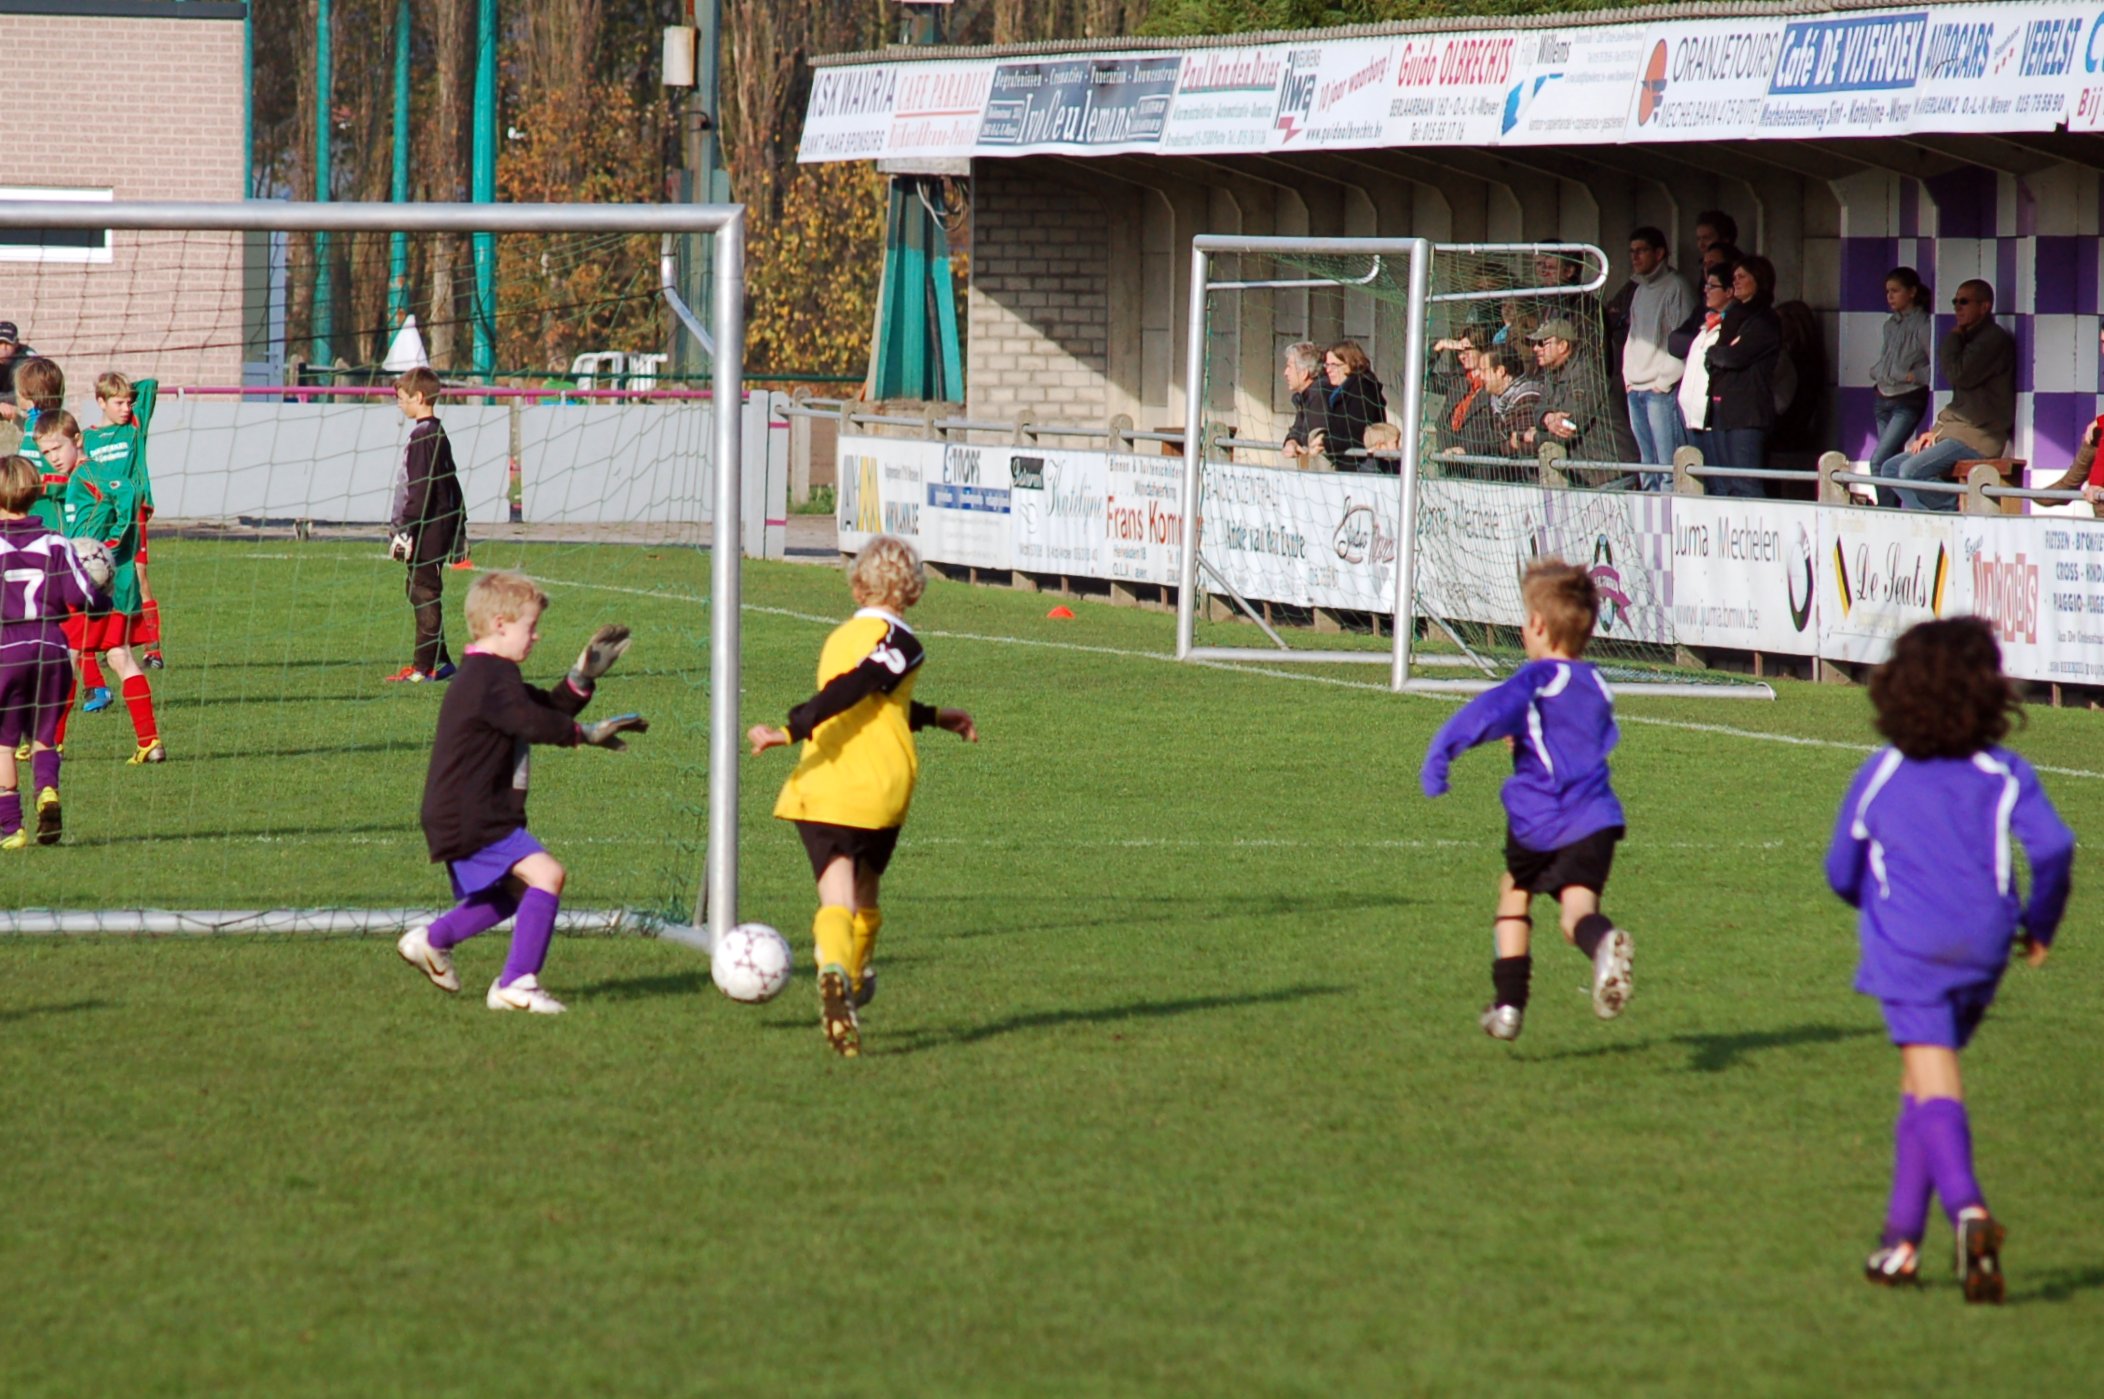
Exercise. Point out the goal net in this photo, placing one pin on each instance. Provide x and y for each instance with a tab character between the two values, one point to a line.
1396	429
263	340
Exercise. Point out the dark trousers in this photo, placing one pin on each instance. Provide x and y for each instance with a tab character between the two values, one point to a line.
426	585
1745	447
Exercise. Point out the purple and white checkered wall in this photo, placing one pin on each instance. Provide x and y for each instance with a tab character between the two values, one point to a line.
2034	238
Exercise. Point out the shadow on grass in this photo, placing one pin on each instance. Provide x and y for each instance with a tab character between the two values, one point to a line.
288	836
1124	910
1102	1015
8	1017
640	988
1714	1054
2061	1285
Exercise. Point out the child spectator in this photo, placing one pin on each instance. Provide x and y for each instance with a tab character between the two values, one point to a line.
474	812
117	454
1384	448
40	582
429	523
849	793
1923	847
1562	817
99	504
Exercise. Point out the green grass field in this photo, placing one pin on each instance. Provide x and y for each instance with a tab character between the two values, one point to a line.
1174	1086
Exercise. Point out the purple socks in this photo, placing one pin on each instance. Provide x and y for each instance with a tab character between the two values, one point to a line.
1932	1150
530	935
43	769
477	913
10	813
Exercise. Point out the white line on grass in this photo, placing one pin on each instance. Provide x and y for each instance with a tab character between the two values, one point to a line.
1683	725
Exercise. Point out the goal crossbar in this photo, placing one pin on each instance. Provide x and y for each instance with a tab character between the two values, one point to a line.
717	900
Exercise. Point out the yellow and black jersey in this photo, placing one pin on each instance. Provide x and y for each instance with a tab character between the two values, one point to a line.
859	765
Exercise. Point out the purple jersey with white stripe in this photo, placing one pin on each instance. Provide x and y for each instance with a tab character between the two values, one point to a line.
40	582
1561	718
1925	847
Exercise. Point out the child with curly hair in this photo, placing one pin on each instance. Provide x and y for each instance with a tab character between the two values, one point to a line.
1924	848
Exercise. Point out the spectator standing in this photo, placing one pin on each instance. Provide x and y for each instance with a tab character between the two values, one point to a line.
1303	366
1575	404
1978	360
1901	373
1742	377
1354	400
13	354
1712	227
1461	380
1692	341
1650	370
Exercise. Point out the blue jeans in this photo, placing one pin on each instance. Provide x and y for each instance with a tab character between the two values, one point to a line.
1655	419
1896	420
1737	446
1931	464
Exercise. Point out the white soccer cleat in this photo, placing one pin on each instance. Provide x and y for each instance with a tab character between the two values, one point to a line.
416	949
1611	974
1502	1022
524	994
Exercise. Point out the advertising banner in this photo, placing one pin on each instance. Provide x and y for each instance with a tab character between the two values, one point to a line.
1057	502
937	111
1082	105
1143	519
2040	584
1450	89
880	488
1845	77
965	519
1880	572
1312	539
1335	96
849	114
1745	574
1226	100
1997	68
1703	81
1577	88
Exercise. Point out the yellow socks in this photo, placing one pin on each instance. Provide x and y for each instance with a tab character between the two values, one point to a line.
867	922
833	933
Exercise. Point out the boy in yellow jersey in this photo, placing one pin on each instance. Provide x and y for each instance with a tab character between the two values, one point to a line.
849	794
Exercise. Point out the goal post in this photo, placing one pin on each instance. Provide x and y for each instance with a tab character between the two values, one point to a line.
70	225
1418	539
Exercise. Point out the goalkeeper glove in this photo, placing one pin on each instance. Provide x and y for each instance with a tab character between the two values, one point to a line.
400	546
606	732
598	657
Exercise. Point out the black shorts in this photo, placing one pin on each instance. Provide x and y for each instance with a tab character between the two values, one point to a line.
870	850
1584	862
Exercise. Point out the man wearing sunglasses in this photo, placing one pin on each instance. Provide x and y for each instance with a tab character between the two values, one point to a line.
1978	360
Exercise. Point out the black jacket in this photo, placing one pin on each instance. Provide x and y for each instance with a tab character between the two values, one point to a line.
1348	410
475	792
1307	413
428	503
1742	367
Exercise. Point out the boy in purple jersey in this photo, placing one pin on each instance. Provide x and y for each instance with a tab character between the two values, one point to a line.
1923	848
1562	819
41	580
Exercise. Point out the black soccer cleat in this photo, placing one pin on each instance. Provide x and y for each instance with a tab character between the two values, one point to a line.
866	989
1980	1258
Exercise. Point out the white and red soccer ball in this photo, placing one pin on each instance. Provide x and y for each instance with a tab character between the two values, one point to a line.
751	963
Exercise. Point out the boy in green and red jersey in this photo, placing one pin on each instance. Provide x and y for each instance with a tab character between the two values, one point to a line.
40	388
117	449
101	504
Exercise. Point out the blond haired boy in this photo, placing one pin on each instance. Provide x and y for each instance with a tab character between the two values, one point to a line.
849	793
474	812
1562	817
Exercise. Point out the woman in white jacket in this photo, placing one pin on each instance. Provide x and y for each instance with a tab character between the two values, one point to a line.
1901	374
1692	342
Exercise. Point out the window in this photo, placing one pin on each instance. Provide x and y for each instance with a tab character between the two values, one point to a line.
54	244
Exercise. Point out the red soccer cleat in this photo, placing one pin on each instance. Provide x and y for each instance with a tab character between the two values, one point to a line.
407	673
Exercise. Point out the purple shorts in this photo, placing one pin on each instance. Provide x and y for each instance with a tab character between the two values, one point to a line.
491	863
1948	1023
33	684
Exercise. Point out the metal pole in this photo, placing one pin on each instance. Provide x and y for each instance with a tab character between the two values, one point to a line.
725	736
484	187
1413	416
398	241
1194	451
324	317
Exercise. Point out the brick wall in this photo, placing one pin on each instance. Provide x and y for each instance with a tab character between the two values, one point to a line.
156	114
1040	300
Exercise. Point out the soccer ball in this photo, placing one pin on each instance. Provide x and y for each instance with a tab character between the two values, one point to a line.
95	561
751	963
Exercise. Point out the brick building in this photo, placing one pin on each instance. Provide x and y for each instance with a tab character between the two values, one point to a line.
173	128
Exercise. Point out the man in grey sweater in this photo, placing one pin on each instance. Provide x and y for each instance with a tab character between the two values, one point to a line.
1650	371
1978	360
